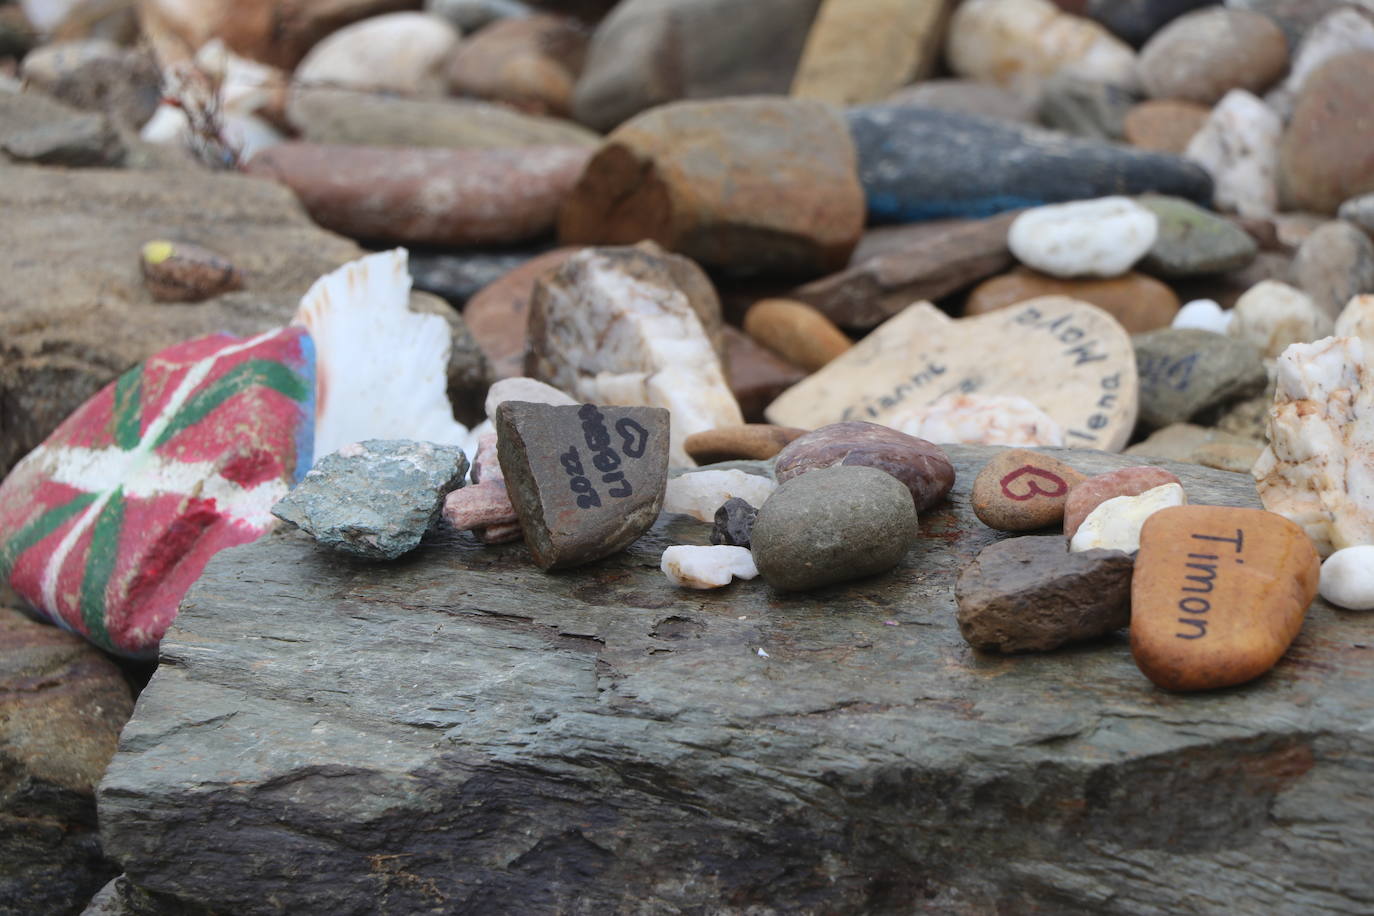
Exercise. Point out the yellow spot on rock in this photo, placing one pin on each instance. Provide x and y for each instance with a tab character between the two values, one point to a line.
157	252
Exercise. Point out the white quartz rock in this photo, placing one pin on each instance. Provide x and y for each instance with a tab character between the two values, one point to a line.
700	493
1239	148
523	389
1085	238
1273	315
1116	523
973	419
1348	578
396	52
1318	470
1204	315
707	567
606	331
1020	43
1357	320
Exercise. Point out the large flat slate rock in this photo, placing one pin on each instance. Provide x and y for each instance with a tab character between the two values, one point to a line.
459	732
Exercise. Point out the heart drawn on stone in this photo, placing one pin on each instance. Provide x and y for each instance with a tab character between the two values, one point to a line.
1031	488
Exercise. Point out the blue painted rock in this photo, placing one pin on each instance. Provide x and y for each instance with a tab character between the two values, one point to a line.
105	525
921	163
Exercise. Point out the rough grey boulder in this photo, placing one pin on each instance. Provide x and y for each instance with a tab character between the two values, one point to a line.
462	733
62	704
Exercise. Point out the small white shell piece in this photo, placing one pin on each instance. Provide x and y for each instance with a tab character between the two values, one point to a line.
707	567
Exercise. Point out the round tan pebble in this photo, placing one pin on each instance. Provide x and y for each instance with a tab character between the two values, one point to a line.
1139	302
796	331
1021	490
752	441
1089	494
1164	125
1218	594
180	272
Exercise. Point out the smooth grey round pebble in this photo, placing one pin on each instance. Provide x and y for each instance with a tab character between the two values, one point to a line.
831	525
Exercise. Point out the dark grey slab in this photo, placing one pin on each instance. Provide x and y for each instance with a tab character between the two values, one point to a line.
458	732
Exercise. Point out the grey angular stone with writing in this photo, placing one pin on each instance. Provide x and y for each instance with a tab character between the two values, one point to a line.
832	525
1193	241
462	733
585	480
375	499
1185	372
1029	594
734	523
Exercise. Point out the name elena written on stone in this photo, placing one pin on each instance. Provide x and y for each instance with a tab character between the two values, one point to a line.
1202	580
1062	328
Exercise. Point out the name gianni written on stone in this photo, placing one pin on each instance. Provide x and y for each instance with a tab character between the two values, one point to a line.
605	460
1078	346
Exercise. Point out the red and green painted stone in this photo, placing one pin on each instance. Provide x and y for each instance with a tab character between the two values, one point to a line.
105	526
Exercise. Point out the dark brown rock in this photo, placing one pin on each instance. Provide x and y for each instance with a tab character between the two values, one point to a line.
181	272
750	184
755	373
1029	594
62	704
921	466
499	315
1326	155
434	196
867	294
530	62
585	481
734	523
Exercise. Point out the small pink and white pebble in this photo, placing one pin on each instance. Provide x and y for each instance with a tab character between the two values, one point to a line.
485	502
707	567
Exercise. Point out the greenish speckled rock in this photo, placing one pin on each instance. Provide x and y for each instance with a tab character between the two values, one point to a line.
1193	241
1185	372
375	499
831	525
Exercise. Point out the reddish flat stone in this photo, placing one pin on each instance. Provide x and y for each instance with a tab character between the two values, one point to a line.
1084	497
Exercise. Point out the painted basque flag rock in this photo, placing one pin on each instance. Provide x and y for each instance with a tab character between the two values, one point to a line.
105	526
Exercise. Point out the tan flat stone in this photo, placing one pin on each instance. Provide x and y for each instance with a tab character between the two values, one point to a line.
1021	490
1218	594
752	441
1071	359
796	331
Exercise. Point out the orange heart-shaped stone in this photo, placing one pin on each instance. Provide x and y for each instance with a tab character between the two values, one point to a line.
1218	594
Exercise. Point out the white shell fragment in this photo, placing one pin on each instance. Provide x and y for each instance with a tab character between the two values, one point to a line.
1204	315
381	370
1116	523
974	419
700	493
1318	470
707	567
1086	238
1348	578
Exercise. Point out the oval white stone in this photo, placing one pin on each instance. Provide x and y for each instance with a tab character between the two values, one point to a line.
1348	578
1086	238
707	567
1116	523
1204	315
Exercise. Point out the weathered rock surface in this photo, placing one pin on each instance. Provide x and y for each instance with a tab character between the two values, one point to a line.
648	756
62	704
1185	371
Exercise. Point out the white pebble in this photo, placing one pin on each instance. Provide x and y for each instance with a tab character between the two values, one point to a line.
1204	315
1116	523
1239	147
1348	578
1273	315
707	567
700	493
1086	238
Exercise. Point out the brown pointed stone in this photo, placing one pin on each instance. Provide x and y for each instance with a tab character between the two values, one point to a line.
1218	594
796	331
1021	490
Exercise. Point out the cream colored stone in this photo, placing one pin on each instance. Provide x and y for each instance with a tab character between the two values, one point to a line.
1273	315
607	333
1115	524
860	51
972	419
1070	359
707	567
700	493
520	388
1239	148
1084	238
1318	470
1020	43
1357	320
398	52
